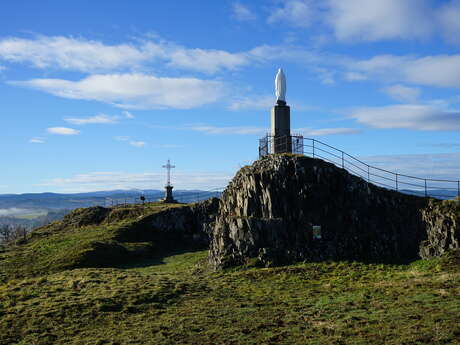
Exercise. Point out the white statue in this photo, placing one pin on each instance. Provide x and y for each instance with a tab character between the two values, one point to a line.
280	85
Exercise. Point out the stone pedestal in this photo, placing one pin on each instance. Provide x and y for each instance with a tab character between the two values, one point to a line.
168	195
281	128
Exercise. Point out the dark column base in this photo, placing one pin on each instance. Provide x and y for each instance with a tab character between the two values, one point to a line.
168	196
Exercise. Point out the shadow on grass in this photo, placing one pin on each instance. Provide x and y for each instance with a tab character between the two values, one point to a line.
159	258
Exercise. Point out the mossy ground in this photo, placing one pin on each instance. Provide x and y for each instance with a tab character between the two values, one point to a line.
84	239
176	301
48	297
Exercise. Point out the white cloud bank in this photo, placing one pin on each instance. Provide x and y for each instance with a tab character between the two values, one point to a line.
325	131
228	130
254	102
91	56
128	115
214	130
149	180
435	166
372	20
137	143
63	131
402	93
96	119
296	12
37	140
133	91
241	12
436	70
408	116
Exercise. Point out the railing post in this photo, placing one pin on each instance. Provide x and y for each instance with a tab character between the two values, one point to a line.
313	140
426	192
396	182
343	164
368	175
458	189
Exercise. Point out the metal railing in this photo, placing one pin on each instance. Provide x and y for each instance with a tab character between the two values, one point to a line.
279	144
180	196
438	188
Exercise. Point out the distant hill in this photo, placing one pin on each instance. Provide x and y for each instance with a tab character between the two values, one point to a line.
37	209
103	198
434	193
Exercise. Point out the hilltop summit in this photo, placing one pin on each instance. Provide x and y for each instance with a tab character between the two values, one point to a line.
287	208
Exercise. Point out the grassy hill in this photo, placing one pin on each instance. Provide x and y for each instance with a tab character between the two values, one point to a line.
97	278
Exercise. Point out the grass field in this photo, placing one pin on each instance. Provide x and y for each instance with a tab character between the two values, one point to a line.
49	295
175	300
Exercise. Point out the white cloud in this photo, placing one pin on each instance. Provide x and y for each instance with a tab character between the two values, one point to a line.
241	12
295	12
137	143
325	75
354	76
254	102
100	118
402	93
228	130
63	131
128	115
417	117
149	180
37	140
448	16
250	130
325	131
133	91
435	166
437	70
441	70
209	61
372	20
121	138
71	53
83	55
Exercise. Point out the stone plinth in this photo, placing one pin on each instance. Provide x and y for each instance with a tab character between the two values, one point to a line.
168	195
281	128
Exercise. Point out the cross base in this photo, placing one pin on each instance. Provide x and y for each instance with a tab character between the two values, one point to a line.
168	199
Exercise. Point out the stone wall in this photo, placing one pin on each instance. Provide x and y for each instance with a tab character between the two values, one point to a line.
443	228
269	209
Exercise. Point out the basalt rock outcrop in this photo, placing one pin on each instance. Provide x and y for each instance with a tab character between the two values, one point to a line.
269	210
443	228
192	223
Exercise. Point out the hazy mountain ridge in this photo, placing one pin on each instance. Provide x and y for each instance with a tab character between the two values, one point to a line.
37	209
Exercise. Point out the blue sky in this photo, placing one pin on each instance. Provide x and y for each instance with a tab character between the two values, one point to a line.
97	95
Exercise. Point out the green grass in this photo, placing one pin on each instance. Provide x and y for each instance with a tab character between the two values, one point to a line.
177	301
81	241
55	290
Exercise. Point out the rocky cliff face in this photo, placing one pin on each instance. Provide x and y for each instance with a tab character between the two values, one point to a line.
192	223
269	211
443	228
188	223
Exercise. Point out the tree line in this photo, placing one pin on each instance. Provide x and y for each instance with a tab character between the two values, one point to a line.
12	233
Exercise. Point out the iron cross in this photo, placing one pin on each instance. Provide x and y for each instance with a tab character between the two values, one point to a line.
168	167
